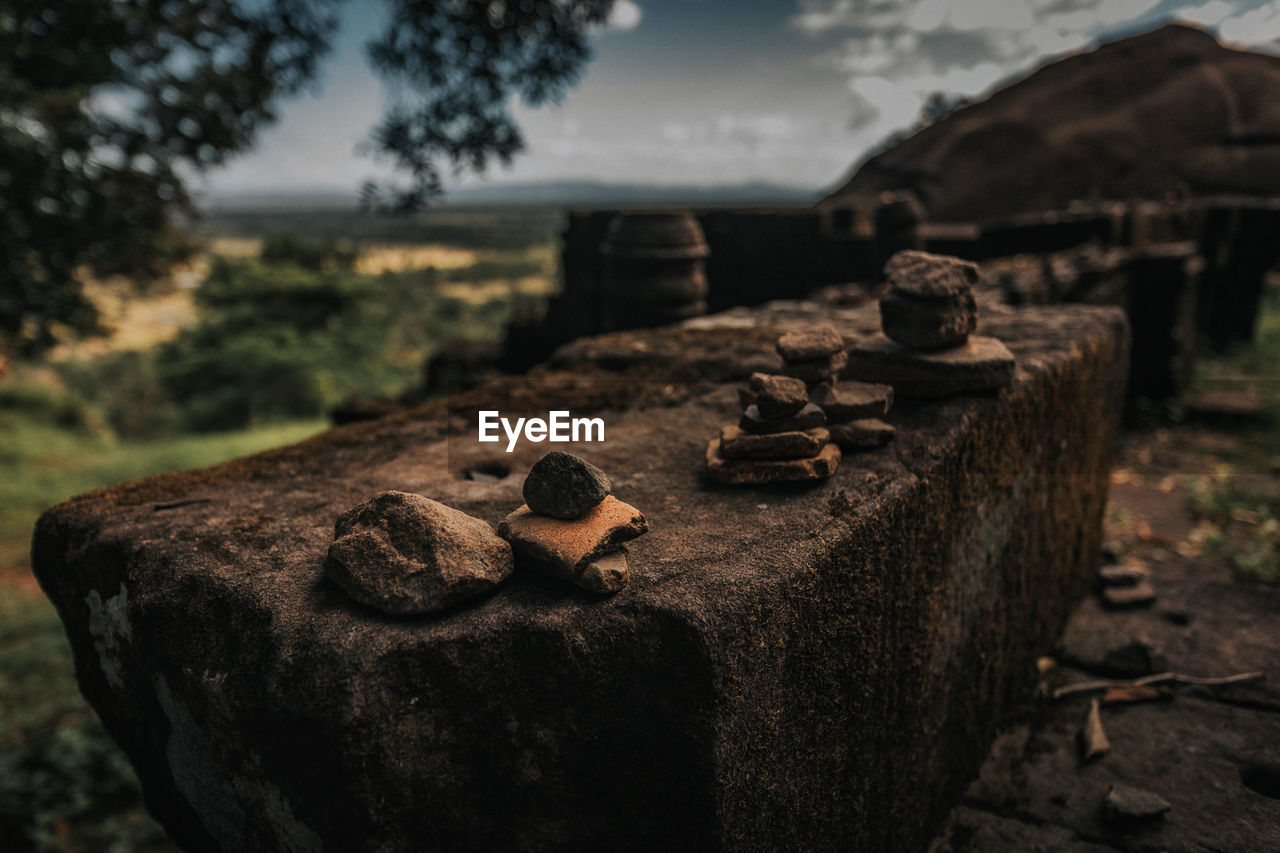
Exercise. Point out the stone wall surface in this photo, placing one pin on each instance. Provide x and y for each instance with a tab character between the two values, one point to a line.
1156	287
795	668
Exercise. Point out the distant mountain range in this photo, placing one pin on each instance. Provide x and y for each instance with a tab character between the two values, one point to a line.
590	194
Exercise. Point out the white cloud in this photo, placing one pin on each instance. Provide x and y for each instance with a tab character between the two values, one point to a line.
1119	11
1211	13
1255	27
820	16
625	15
969	15
743	129
724	147
895	104
928	15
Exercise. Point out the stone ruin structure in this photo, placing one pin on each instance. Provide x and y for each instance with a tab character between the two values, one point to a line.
807	666
653	270
1188	274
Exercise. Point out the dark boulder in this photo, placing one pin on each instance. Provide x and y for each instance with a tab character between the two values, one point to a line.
564	486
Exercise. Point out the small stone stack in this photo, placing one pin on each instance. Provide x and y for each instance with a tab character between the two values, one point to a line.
571	527
853	410
928	316
817	356
930	304
781	437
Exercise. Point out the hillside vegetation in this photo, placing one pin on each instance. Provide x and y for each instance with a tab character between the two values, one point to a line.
244	349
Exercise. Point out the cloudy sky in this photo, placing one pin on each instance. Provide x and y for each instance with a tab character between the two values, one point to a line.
721	92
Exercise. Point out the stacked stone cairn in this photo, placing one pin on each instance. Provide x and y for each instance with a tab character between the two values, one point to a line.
571	526
794	425
851	408
930	304
928	317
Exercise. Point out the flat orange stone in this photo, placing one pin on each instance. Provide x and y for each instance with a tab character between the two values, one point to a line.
756	472
569	545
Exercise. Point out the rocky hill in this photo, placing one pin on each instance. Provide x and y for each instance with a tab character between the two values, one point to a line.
1171	111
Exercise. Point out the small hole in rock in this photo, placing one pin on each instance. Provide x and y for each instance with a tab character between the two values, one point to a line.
488	472
1262	778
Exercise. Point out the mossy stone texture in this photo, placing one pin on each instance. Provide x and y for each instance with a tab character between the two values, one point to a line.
403	553
811	667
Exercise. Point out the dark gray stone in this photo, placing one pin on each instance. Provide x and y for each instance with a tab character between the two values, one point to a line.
1121	575
1123	804
810	417
862	434
982	364
1133	660
760	472
818	342
928	276
564	486
928	324
817	370
404	554
851	401
738	444
1139	595
778	396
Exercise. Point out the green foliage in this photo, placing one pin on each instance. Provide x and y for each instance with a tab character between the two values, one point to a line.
64	785
310	253
1239	510
126	391
43	404
1256	366
500	269
73	785
43	461
107	107
1241	522
454	68
104	105
484	230
32	646
281	343
277	342
273	343
1262	359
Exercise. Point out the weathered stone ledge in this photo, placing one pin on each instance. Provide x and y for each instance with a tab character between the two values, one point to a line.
789	668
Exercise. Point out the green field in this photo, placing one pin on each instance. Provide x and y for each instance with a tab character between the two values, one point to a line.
64	785
485	229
